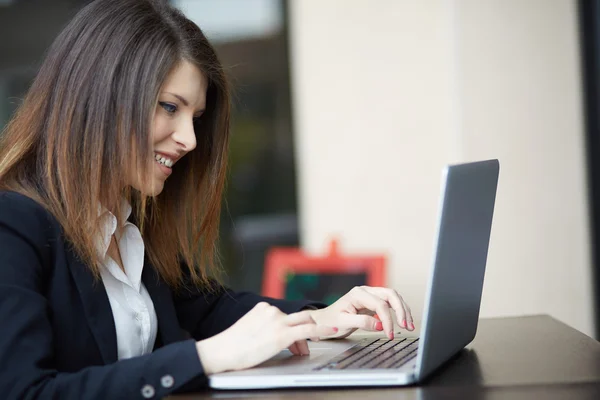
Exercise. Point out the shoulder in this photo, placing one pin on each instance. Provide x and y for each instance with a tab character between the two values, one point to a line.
16	206
17	200
26	217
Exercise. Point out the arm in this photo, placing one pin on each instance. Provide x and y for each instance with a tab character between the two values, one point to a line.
205	314
26	338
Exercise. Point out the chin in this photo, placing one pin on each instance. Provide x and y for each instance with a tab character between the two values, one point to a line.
150	191
153	192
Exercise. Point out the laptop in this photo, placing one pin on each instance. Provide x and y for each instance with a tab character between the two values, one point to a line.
451	308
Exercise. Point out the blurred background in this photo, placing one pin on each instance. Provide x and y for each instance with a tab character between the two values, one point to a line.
345	112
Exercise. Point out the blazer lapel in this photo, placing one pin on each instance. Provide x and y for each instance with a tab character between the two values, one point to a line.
96	307
168	325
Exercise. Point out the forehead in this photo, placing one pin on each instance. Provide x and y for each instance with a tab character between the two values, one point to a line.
188	81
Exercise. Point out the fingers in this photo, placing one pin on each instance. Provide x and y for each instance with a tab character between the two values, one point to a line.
294	349
301	332
380	306
302	346
403	312
303	320
409	318
295	328
299	348
299	318
353	321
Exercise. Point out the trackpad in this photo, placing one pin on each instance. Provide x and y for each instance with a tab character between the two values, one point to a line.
286	358
319	351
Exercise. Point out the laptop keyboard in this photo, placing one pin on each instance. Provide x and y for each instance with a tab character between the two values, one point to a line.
374	353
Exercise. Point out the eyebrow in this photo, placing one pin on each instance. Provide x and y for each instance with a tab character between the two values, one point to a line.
185	102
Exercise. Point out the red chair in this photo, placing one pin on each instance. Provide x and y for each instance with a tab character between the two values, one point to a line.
283	263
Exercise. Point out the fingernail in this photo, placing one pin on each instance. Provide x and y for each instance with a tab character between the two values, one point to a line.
403	324
412	326
391	335
379	326
335	329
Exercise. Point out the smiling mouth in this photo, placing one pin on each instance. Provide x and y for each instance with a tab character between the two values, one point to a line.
162	160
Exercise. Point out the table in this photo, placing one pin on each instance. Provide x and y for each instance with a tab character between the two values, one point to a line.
533	357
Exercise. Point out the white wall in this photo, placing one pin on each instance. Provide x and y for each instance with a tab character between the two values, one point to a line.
387	92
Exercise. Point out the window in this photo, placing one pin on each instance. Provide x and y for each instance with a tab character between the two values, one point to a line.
251	38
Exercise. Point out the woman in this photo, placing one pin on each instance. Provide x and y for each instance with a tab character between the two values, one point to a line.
111	174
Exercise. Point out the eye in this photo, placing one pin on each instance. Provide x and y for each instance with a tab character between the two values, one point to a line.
170	108
197	120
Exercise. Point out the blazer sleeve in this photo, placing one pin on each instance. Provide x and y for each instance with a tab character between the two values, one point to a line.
205	313
26	337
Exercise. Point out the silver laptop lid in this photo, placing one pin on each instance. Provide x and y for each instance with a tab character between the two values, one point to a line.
455	285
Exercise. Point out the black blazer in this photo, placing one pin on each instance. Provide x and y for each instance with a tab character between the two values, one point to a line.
57	333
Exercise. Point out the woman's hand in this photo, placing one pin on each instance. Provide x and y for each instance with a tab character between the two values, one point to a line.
259	335
356	309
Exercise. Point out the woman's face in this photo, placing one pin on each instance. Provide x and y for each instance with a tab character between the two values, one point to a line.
181	100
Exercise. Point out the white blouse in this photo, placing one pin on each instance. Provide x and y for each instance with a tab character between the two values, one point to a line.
132	307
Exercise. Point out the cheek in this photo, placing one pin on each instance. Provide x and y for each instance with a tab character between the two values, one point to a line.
161	128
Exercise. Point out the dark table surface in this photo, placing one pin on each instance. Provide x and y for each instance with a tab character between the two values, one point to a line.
533	357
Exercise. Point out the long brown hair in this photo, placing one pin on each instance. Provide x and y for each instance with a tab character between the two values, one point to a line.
87	119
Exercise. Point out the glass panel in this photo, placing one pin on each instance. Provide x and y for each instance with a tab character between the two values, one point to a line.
260	209
27	28
250	36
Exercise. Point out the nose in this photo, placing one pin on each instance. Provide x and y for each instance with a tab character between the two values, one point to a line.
185	136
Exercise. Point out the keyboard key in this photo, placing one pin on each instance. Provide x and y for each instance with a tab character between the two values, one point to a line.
378	353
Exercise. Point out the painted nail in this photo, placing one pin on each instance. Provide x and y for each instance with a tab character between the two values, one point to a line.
335	329
379	326
412	326
403	324
391	335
